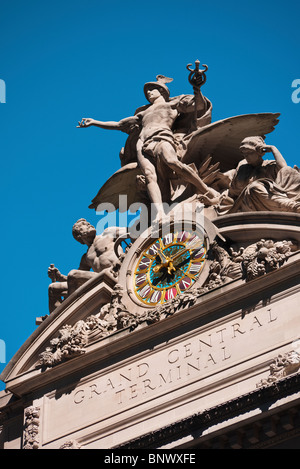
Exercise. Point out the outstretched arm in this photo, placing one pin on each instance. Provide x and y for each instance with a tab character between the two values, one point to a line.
125	125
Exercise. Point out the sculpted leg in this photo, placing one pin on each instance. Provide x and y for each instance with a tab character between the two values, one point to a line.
76	278
57	291
169	156
149	172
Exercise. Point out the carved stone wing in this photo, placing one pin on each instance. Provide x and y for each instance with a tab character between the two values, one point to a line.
222	139
122	182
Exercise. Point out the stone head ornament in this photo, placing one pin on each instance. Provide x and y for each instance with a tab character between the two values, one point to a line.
160	85
252	144
81	228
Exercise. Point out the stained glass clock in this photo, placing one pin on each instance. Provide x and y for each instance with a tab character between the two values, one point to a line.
168	266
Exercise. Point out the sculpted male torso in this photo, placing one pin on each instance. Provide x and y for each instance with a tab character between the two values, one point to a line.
155	123
161	115
100	255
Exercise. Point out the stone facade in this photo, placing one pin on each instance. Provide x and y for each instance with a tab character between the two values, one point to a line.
185	339
187	374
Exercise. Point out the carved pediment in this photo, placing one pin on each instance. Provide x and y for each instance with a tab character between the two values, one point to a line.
84	302
99	314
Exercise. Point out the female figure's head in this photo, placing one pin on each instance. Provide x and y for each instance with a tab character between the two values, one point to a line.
253	150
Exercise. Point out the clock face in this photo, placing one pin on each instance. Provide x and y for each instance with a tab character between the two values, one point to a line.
168	266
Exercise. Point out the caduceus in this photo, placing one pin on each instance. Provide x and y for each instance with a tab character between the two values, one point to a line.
196	78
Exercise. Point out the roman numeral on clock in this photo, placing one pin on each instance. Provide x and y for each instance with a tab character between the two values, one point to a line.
144	292
140	279
195	268
144	264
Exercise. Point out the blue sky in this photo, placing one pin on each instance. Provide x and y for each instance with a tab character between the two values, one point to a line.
64	60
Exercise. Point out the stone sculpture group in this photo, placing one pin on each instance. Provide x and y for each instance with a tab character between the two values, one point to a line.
174	154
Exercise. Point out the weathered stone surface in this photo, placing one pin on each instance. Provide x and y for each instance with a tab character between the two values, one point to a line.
216	363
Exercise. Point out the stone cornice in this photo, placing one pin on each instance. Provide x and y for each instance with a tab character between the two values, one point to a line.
202	420
210	302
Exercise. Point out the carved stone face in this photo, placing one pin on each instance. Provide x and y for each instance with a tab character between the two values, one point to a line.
253	157
252	150
84	232
153	94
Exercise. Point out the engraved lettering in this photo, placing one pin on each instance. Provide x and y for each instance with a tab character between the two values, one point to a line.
166	380
93	389
210	359
221	334
147	385
119	394
236	328
133	391
142	369
188	351
271	317
195	367
201	341
125	377
178	374
174	359
255	321
224	354
109	384
167	367
78	399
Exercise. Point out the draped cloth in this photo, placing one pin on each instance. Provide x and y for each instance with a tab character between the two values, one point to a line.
262	188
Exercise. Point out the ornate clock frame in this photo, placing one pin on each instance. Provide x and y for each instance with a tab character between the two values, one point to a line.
157	250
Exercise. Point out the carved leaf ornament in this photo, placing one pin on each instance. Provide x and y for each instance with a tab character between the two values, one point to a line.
256	260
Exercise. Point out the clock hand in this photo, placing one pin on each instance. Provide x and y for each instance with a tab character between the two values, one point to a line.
177	266
165	262
168	261
160	279
180	253
163	258
168	265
